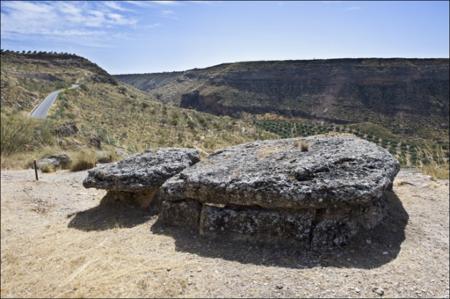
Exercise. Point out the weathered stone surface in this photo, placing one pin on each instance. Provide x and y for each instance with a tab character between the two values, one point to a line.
317	191
253	223
334	171
309	228
143	172
55	161
182	213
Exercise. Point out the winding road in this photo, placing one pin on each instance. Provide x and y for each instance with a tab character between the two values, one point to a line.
41	110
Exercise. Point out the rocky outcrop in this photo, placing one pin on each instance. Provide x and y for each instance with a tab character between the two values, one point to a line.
54	161
95	141
140	176
67	129
317	191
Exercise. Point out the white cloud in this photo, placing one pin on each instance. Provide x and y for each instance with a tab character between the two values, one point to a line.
204	2
139	3
55	20
27	7
69	8
170	3
353	8
153	3
115	6
168	13
120	19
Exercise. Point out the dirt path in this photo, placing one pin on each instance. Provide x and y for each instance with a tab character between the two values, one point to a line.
58	241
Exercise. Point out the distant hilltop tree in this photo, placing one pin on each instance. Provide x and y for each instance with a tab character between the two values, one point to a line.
41	54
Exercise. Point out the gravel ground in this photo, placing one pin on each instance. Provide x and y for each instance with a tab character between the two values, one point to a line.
59	240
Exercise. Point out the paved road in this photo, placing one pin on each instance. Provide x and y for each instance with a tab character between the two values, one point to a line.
41	110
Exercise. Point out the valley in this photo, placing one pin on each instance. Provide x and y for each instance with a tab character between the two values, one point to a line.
400	104
224	149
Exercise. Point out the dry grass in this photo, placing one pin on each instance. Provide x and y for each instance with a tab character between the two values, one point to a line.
42	257
135	122
21	160
69	262
437	171
85	159
436	165
93	265
48	168
130	118
303	145
107	156
20	133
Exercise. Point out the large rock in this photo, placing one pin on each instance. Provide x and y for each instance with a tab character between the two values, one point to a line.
320	190
67	129
55	161
140	176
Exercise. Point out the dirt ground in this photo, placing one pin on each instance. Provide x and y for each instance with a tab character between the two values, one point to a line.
57	240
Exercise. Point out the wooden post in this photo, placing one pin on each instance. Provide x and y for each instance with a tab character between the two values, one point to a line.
35	170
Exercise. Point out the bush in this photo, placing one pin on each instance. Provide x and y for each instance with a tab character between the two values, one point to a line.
48	168
20	133
84	159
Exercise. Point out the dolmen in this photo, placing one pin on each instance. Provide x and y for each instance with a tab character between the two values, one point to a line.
139	177
317	191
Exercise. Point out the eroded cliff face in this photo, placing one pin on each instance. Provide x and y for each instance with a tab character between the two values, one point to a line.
338	90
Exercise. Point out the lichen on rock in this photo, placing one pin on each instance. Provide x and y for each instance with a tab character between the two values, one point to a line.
320	190
140	176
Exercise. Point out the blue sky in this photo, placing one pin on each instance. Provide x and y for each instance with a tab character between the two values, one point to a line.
153	36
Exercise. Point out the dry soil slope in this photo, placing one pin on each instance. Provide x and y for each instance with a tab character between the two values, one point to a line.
57	241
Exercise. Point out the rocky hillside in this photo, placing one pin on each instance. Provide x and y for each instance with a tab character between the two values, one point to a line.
28	77
101	113
148	82
409	96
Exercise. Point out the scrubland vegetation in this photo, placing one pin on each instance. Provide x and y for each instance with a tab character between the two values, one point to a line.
112	117
109	117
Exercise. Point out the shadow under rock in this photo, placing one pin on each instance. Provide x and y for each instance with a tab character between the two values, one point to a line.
110	213
369	249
